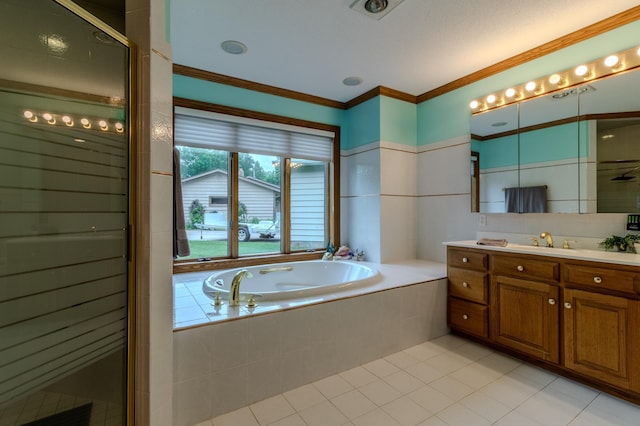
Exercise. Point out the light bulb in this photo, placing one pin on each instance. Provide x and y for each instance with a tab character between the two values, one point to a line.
67	120
555	79
50	118
510	93
30	116
611	61
581	70
491	99
531	86
119	127
474	104
85	123
103	125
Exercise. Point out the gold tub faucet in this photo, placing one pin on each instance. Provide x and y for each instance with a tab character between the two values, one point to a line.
234	292
547	236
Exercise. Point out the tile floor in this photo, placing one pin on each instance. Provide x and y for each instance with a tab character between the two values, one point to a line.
447	381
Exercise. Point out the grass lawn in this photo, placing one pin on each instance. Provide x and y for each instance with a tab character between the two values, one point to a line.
218	248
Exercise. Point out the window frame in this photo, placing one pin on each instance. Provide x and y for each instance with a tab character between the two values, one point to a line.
332	201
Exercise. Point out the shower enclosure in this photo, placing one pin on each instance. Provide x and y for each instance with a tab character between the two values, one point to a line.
64	216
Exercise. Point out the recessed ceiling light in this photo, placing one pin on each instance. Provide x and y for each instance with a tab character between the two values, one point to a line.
352	81
375	9
234	47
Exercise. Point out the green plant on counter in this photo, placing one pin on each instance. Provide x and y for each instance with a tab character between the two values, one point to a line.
618	243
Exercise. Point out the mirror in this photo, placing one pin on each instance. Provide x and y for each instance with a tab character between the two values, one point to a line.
610	150
567	152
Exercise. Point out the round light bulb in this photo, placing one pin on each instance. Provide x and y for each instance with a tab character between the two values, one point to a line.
28	115
581	70
67	120
85	123
474	104
611	61
510	93
531	86
491	99
555	79
103	125
47	116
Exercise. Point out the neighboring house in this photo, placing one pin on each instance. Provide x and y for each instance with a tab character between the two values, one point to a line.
261	199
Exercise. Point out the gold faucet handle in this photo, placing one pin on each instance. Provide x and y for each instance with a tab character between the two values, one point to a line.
534	242
567	243
251	303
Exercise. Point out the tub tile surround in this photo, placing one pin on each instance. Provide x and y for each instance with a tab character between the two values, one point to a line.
242	360
479	387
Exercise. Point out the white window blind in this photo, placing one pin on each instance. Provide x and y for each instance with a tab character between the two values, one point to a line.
204	129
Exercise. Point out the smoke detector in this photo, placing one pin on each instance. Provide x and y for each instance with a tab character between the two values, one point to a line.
375	9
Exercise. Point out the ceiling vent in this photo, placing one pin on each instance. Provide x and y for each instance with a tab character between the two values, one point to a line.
375	9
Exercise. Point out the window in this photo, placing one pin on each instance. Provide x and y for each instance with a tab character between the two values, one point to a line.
253	187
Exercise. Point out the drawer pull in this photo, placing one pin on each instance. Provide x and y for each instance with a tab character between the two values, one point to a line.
597	280
465	284
465	317
552	301
567	305
465	260
520	268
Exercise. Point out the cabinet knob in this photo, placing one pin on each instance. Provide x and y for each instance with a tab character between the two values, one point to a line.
520	268
552	301
465	284
465	260
465	317
597	280
567	305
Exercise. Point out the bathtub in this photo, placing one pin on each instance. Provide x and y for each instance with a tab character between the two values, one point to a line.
293	280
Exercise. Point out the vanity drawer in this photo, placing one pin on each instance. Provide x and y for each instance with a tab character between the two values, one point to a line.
469	285
603	278
467	259
524	267
468	317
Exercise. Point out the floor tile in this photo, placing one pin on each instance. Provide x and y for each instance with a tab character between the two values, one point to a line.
272	409
451	387
488	408
380	392
403	382
459	415
424	372
381	368
431	399
353	404
323	414
401	359
406	411
358	376
304	397
333	386
376	417
293	420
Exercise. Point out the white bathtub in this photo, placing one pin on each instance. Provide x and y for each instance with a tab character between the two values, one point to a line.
293	279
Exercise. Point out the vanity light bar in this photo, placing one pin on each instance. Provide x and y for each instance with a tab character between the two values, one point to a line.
603	67
67	120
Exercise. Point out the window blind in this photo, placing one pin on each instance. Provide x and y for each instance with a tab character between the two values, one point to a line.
204	129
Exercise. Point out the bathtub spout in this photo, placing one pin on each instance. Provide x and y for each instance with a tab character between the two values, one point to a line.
276	269
234	292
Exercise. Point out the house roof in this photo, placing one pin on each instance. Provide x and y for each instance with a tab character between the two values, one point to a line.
251	180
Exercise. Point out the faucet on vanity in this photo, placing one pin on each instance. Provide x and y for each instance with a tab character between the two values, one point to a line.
547	236
234	292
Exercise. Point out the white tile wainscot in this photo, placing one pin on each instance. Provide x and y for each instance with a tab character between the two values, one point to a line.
247	357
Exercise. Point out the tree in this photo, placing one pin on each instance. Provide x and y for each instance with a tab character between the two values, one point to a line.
195	161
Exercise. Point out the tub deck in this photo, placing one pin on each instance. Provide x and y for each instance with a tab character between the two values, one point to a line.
193	308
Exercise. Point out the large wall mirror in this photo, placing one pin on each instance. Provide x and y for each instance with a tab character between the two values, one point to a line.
573	150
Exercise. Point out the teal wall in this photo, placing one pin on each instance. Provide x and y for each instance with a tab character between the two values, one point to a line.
398	121
498	152
221	94
447	116
362	124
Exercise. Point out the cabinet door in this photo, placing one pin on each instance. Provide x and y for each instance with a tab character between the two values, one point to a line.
525	316
599	331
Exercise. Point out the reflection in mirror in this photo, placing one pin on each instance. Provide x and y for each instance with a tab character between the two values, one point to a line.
548	141
494	141
611	153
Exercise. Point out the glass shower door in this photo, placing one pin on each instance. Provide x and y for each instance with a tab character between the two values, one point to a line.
64	214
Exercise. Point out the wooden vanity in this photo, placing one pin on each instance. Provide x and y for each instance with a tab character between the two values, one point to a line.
576	317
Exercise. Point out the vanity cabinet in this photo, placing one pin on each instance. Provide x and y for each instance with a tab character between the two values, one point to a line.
579	318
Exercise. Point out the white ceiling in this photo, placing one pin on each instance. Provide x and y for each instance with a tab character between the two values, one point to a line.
311	46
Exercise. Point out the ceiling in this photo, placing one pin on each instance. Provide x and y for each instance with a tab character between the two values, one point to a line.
311	46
